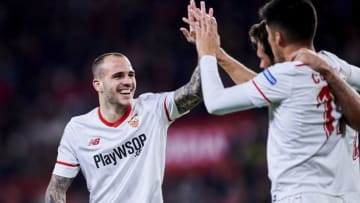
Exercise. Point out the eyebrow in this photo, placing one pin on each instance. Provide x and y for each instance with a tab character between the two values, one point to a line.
120	74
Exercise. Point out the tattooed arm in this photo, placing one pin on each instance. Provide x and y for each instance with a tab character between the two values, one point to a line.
189	95
56	191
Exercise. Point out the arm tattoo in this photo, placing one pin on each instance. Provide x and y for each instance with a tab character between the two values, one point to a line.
189	95
56	191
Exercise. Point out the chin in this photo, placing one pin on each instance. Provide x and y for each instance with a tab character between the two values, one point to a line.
126	103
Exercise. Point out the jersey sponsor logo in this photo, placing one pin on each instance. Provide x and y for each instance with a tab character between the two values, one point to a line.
94	141
134	121
269	77
133	146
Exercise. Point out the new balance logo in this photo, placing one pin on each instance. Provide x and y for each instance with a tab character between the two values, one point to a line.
94	141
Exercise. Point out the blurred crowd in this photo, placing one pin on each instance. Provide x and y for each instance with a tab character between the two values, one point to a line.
46	51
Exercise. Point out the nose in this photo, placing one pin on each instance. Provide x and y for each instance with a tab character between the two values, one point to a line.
262	65
127	80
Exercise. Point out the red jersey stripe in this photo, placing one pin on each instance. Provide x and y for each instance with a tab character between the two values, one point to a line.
261	92
67	164
166	111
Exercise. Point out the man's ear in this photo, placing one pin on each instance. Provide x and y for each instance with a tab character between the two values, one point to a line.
97	84
279	38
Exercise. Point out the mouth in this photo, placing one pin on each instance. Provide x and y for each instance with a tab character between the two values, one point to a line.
125	92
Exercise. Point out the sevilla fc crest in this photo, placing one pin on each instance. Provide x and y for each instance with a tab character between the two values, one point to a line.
134	121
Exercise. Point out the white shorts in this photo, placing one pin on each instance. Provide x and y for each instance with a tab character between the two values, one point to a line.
313	197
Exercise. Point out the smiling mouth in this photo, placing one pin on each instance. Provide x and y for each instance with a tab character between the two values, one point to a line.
125	92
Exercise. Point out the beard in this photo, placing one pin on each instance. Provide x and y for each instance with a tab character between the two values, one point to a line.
113	98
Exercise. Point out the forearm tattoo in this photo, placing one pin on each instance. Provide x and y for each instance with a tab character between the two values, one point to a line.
189	95
56	191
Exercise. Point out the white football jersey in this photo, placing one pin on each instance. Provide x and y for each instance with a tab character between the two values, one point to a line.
306	151
122	161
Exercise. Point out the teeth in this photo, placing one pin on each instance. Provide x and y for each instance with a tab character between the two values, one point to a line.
125	91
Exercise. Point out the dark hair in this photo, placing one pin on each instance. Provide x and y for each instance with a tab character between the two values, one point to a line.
98	60
296	18
258	33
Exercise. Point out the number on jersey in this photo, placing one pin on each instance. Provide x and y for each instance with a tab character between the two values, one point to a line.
325	98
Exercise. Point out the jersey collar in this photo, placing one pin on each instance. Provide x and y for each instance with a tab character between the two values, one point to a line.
116	123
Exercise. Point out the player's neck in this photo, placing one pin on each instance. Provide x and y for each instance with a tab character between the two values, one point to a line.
290	49
112	113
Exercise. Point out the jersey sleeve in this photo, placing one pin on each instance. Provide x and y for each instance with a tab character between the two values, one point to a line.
351	73
272	85
218	99
348	72
67	164
169	107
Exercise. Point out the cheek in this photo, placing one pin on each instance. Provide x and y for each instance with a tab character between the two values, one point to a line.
134	82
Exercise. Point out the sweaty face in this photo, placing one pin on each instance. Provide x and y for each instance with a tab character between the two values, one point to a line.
265	61
117	81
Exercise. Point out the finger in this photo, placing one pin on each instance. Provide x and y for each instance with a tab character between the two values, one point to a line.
197	30
213	24
203	16
186	34
293	56
191	23
211	12
192	4
209	25
202	7
190	16
196	14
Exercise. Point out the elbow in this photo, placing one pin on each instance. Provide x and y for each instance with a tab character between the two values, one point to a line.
213	109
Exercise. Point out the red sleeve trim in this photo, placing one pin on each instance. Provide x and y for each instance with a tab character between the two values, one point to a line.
261	92
67	164
166	111
300	65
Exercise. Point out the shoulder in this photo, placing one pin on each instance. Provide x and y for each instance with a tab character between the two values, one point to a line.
327	54
289	68
152	98
84	118
333	60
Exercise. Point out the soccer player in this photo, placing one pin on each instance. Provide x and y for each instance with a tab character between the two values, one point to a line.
258	37
345	97
120	145
308	160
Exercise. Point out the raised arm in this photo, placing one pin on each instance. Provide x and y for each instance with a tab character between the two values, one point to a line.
56	191
189	95
238	72
346	97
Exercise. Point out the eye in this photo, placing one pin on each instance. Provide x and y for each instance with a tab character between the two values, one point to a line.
132	74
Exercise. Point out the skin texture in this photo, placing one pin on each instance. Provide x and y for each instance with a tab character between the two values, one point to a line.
56	191
189	95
